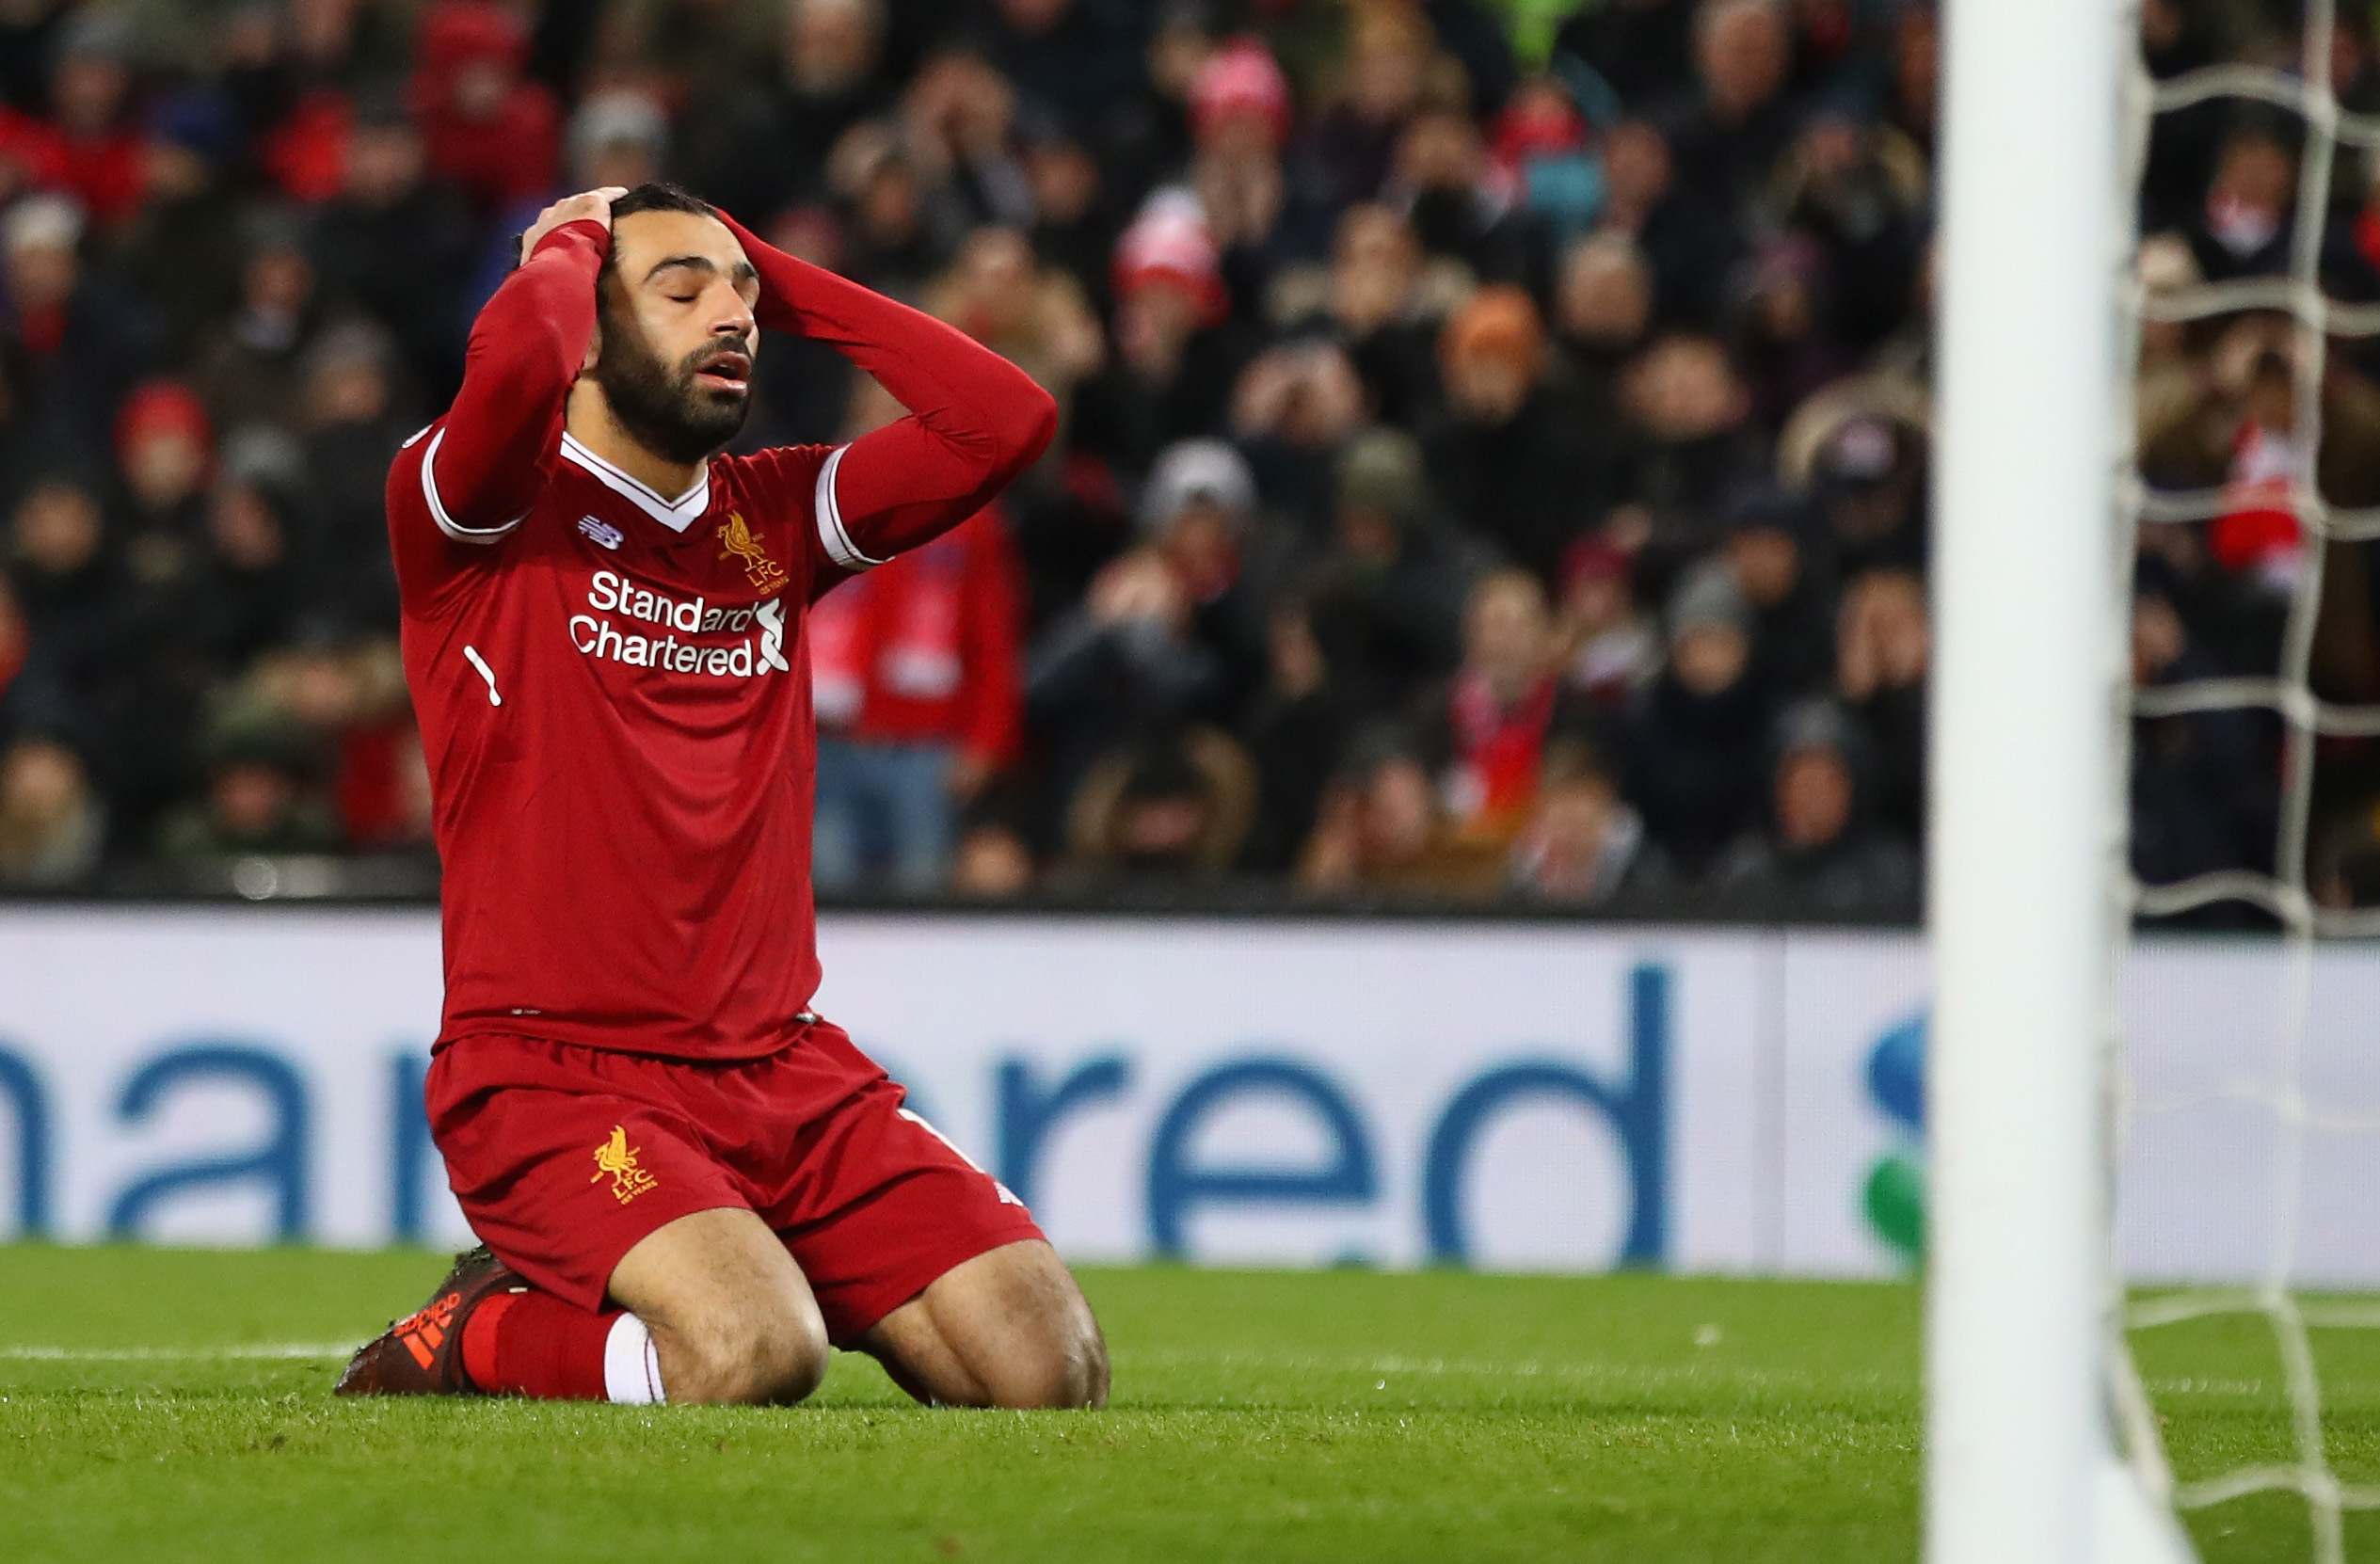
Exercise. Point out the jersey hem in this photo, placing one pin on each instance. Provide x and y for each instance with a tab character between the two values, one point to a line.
611	1041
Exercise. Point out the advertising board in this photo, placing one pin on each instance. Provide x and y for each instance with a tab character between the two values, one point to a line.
1506	1095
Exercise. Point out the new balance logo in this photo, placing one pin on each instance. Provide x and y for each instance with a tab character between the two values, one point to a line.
602	531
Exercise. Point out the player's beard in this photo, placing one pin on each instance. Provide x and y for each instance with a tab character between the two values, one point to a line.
664	409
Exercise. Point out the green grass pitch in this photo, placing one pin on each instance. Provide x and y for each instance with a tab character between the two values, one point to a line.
175	1405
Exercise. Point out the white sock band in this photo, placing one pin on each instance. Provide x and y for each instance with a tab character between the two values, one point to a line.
632	1369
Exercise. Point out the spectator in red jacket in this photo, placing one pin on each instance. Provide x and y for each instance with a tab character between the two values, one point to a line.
916	671
89	145
494	133
1487	727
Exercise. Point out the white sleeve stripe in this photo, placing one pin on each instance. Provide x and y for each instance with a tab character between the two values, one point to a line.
446	523
836	541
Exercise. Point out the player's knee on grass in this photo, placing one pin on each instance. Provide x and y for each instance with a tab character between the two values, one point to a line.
1008	1329
1050	1362
747	1357
731	1315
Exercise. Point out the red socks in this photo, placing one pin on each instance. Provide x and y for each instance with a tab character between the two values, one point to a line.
532	1344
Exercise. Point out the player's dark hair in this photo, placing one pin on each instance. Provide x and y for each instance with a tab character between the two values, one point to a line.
661	196
652	195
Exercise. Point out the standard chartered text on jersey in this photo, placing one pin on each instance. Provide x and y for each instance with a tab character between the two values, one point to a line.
602	639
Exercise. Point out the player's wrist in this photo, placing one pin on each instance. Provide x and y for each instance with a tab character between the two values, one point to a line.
589	231
777	309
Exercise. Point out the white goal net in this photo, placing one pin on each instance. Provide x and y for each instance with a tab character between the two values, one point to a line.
2045	1443
2303	322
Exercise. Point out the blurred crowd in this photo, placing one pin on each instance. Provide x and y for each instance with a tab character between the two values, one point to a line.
1494	445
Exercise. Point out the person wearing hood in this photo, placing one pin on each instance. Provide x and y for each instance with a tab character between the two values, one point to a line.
1690	744
356	425
262	795
1787	579
2243	229
245	364
1868	479
1200	511
64	598
249	582
1821	855
1388	597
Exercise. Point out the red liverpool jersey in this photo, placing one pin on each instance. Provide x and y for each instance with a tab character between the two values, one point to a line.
612	685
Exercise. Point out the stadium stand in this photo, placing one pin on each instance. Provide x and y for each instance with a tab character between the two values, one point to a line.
1493	465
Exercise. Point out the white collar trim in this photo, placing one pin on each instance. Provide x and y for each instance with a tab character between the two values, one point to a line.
677	515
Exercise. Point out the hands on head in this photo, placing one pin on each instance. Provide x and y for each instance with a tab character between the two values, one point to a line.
586	205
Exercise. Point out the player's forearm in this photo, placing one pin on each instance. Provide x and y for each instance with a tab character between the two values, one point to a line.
976	420
966	393
502	435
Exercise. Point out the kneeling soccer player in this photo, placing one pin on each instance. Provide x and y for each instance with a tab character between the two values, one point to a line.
689	1185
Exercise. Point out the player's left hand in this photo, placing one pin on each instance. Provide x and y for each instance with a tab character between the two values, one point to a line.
586	204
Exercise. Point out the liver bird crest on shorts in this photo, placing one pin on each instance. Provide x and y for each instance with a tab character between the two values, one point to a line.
618	1159
764	573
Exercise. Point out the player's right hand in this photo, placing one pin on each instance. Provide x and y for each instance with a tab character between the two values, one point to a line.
595	205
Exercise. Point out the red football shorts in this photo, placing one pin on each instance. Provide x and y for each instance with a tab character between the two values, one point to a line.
565	1157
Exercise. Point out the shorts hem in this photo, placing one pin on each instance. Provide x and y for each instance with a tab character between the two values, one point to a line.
861	1309
609	1253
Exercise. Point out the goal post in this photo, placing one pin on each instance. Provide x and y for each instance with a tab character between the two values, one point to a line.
2027	867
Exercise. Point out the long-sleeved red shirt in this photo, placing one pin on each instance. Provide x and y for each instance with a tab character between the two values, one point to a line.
613	684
